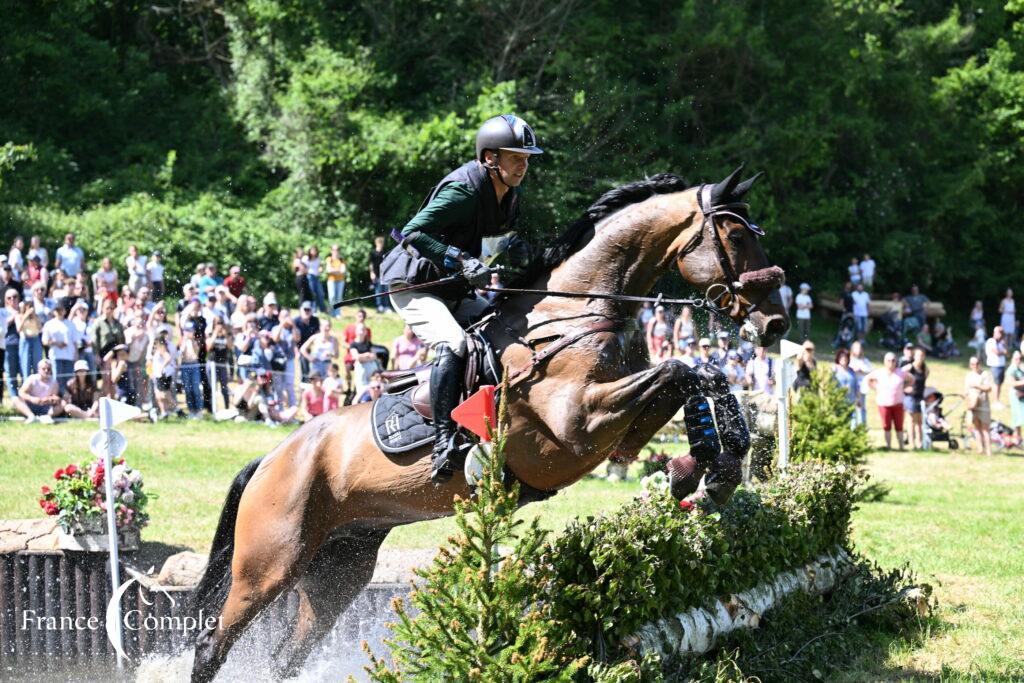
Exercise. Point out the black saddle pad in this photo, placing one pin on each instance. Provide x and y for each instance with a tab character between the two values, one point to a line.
397	427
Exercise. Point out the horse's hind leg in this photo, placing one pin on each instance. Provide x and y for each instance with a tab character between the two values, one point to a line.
268	559
338	573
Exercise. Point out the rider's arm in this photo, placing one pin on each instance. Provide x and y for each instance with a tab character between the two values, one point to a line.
454	205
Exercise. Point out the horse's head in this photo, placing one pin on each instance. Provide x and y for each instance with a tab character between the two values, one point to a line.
724	257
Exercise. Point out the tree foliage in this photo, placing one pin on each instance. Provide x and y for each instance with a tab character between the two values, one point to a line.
890	127
822	424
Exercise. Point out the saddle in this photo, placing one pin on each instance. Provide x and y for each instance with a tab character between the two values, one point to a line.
402	418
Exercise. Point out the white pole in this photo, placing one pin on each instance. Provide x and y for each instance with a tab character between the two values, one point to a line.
783	398
107	424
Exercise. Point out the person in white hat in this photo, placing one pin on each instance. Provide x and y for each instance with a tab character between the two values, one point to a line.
82	395
804	304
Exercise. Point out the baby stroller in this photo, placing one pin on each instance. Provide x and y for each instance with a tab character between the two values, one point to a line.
892	331
936	426
847	332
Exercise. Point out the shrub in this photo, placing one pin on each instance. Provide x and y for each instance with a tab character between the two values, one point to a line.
822	424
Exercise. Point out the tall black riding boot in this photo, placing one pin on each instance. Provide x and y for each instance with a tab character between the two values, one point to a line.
445	389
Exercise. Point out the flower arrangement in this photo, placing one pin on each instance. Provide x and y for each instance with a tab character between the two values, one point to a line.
78	498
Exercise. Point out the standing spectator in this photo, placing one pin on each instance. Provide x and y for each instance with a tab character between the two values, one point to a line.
312	260
847	298
235	282
704	351
191	355
405	348
916	302
246	306
12	362
978	387
315	400
804	304
209	282
995	359
60	338
137	340
1017	392
137	274
720	355
245	345
861	309
334	383
847	379
163	359
786	294
856	276
888	382
219	348
83	333
7	280
658	330
35	248
82	395
1008	318
108	333
978	316
688	350
925	340
144	301
38	398
30	330
322	349
913	397
377	255
861	366
43	308
364	359
646	314
301	271
104	283
189	291
806	364
197	275
70	258
735	373
285	336
155	275
761	371
60	286
16	258
683	328
35	272
267	317
337	271
307	325
867	272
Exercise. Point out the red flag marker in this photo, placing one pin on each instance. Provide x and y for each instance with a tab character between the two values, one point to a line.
477	413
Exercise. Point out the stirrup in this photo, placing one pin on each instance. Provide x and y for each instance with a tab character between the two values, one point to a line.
444	466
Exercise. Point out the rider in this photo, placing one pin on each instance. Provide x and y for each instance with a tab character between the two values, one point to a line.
479	199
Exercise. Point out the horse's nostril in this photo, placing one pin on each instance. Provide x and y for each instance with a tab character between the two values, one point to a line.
776	325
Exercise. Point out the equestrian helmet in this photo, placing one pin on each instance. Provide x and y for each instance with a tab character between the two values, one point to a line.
506	132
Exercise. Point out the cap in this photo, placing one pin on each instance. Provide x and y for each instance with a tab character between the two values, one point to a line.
156	252
722	334
689	341
804	285
270	299
3	258
307	306
81	365
263	375
908	345
704	341
732	355
315	375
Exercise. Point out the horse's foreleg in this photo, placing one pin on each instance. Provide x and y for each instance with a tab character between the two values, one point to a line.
336	576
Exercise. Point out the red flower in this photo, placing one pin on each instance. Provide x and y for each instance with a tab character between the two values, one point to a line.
58	474
70	470
686	505
46	490
50	508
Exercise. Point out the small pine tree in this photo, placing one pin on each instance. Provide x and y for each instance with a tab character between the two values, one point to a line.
822	424
479	617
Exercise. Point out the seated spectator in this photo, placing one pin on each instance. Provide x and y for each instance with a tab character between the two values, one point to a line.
925	341
405	348
916	302
120	375
256	400
334	383
315	400
83	398
37	398
373	391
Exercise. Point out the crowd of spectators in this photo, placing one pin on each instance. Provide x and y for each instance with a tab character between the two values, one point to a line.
72	337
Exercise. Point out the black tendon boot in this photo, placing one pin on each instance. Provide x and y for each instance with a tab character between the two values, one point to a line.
445	389
685	472
725	473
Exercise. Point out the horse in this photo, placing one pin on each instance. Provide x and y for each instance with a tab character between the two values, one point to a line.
313	512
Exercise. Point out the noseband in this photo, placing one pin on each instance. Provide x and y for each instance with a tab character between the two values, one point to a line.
728	296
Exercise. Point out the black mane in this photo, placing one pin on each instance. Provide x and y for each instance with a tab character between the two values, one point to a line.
581	231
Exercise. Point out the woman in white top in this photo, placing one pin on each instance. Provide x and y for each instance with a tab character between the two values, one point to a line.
683	328
321	349
35	249
136	265
316	287
1008	317
15	257
104	283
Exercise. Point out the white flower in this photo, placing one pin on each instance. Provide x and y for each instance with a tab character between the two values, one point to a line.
128	497
135	477
117	473
656	483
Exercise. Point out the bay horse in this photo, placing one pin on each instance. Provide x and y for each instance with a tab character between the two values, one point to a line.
312	513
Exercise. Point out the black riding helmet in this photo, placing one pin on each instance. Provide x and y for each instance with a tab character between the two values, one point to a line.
506	132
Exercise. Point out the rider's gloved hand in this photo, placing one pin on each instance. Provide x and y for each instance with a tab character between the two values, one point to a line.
453	259
475	272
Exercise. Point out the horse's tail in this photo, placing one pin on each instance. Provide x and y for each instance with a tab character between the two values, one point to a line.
212	591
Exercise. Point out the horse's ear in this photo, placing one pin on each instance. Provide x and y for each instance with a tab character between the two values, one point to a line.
742	188
722	191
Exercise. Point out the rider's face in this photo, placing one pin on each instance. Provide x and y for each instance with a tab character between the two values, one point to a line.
513	166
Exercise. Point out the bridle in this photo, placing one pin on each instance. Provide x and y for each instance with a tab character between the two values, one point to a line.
726	296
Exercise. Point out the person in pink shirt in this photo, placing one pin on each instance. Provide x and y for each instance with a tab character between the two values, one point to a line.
888	383
406	346
315	400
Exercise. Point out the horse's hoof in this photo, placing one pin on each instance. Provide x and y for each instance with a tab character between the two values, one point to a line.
684	475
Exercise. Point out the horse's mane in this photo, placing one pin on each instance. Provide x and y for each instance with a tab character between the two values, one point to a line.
581	231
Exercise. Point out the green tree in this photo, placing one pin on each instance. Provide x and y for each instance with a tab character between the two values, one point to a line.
822	426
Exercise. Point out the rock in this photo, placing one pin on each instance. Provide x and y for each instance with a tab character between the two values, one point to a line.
182	569
28	534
